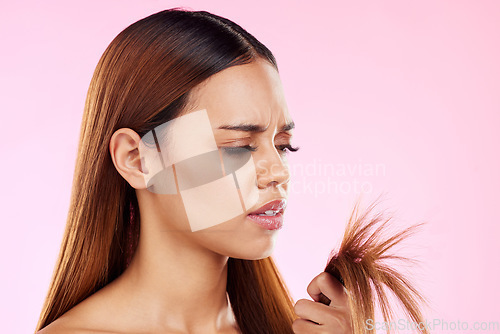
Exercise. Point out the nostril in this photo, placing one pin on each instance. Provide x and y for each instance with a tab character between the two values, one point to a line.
275	183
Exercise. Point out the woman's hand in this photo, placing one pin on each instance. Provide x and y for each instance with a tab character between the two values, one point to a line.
316	317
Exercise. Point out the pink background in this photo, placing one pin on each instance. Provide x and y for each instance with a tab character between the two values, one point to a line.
410	86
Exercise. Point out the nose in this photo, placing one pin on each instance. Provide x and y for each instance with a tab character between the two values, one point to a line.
272	169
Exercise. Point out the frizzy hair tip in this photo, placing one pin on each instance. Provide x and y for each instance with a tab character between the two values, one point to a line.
361	265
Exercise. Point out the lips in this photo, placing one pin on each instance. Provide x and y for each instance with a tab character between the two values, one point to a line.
276	205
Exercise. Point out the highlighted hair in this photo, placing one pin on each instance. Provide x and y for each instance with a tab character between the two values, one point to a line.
142	80
361	266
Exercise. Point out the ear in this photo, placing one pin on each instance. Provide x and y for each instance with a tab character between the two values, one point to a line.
124	150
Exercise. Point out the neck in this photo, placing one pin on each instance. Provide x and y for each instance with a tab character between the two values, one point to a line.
176	285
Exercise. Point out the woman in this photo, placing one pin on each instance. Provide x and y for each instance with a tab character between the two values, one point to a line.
179	191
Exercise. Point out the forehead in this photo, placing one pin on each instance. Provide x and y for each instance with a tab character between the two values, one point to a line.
249	93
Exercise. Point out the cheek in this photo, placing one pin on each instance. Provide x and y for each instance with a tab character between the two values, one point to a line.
246	182
224	189
213	188
172	215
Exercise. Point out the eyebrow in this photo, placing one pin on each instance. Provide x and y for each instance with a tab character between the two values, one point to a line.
254	127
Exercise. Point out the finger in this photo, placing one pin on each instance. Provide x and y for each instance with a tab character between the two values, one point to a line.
328	319
329	286
302	326
319	314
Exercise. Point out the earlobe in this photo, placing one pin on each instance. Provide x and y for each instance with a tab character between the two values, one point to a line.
124	151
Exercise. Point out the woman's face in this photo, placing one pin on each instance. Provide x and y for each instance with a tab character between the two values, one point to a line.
222	159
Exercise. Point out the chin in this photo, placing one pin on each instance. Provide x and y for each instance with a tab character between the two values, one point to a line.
253	251
261	256
239	239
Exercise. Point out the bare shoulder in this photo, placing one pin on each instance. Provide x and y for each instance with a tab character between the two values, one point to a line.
60	326
56	328
69	324
89	316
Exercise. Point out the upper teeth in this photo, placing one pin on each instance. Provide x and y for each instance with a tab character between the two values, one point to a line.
268	213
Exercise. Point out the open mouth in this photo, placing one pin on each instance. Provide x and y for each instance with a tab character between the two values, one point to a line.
269	213
272	221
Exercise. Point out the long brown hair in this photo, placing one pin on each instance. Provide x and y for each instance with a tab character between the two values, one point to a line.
142	80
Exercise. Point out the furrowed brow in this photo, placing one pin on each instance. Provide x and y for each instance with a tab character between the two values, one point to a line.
254	128
288	126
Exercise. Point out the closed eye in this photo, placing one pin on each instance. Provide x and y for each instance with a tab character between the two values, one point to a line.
238	149
241	149
287	148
